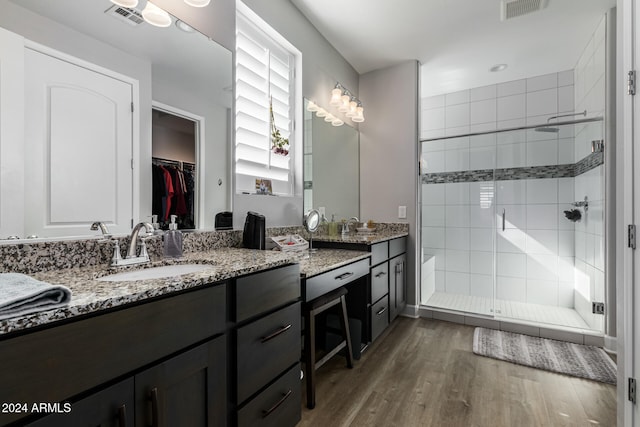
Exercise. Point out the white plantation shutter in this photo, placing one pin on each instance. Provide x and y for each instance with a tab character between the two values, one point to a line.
264	71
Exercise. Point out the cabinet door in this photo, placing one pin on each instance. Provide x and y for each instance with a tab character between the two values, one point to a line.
186	390
397	291
111	407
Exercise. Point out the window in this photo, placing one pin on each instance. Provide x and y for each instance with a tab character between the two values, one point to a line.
264	74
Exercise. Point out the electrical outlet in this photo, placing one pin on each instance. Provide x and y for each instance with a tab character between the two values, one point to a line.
402	212
321	211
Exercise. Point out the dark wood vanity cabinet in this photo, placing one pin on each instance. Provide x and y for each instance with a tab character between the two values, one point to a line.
224	354
268	346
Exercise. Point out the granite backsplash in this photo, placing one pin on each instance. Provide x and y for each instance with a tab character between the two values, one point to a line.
28	257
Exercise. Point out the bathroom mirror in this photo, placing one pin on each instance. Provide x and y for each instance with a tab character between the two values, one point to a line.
331	167
175	68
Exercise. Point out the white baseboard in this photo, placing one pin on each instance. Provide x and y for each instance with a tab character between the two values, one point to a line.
611	344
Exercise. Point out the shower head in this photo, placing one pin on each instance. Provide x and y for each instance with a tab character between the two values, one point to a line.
547	128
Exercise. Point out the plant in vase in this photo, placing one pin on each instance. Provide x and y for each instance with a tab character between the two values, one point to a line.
279	144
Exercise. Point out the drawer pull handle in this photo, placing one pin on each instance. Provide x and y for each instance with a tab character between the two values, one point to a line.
122	416
154	407
382	310
276	333
344	275
382	273
268	412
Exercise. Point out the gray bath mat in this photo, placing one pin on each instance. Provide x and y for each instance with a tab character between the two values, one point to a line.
556	356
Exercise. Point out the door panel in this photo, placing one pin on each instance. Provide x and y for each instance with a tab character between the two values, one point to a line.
80	140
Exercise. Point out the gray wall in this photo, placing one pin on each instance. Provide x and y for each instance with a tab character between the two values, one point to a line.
389	153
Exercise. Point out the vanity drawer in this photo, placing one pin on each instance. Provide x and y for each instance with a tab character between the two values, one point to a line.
379	252
277	406
262	292
379	281
379	317
326	282
397	246
266	348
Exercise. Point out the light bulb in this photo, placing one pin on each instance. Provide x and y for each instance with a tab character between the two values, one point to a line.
321	112
156	16
312	107
336	122
329	118
197	3
359	117
126	3
344	107
335	97
352	108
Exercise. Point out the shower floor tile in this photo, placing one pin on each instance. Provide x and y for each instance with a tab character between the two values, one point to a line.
561	316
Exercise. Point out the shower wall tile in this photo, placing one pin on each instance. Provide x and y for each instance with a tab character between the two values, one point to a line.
456	160
546	81
433	194
511	289
542	217
483	112
481	239
542	191
457	283
511	241
481	285
434	161
481	263
457	260
433	216
566	243
457	193
440	280
565	190
454	98
457	216
457	115
566	99
433	237
543	102
542	267
566	294
543	242
482	93
542	292
512	107
512	192
480	217
512	88
482	158
483	141
542	153
515	217
433	119
565	78
457	238
511	156
432	102
512	265
483	127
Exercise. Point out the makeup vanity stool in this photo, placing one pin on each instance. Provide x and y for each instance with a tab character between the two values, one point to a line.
310	311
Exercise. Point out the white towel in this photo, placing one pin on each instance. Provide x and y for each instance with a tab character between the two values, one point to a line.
21	294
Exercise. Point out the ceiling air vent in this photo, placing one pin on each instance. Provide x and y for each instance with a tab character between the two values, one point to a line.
514	8
124	14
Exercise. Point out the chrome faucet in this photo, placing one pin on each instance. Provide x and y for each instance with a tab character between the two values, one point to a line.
345	226
132	257
133	239
103	228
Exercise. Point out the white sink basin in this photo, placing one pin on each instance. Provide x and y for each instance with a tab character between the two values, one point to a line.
155	272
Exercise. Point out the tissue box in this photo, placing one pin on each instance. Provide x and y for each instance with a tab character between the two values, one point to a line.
292	242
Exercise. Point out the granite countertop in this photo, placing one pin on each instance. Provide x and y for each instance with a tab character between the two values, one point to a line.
362	238
324	260
89	295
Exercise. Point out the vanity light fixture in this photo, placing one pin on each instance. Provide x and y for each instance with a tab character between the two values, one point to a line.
126	3
321	112
156	16
197	3
347	103
336	122
312	107
184	26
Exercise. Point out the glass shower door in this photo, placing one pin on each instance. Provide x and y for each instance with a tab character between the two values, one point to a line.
457	224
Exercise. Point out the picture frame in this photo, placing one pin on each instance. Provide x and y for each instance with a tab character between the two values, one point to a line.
263	186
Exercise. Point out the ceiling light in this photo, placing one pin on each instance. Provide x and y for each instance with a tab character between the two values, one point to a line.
359	117
156	16
498	67
184	26
126	3
197	3
336	122
312	107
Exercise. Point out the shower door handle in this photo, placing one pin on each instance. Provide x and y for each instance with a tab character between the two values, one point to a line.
504	215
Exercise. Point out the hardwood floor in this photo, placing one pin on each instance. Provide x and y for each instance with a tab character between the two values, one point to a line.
422	372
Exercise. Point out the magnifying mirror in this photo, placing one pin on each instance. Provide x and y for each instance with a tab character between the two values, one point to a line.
311	223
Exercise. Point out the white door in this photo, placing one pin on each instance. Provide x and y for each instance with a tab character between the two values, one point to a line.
78	142
11	134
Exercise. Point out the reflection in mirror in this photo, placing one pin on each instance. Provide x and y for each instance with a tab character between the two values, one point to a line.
92	159
331	167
